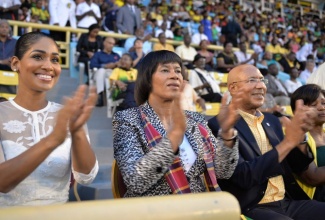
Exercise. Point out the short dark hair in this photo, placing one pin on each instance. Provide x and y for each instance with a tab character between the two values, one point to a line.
227	42
147	67
92	27
308	93
27	40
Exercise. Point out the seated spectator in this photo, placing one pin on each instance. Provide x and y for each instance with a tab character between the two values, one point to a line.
263	181
139	34
204	82
7	45
185	51
318	77
105	60
270	106
41	12
293	83
163	29
267	59
9	9
310	68
159	132
226	60
138	54
88	44
87	13
189	98
199	36
209	65
43	142
313	181
275	86
307	49
162	44
275	48
178	34
243	57
120	78
288	62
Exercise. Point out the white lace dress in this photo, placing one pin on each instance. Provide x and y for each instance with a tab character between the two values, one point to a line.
20	129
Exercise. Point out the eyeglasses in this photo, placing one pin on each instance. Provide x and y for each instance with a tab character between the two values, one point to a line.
254	81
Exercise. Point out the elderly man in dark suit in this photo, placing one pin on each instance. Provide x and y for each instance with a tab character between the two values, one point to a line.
128	18
263	180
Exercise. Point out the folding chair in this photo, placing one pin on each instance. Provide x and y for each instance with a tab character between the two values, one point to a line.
118	186
8	79
111	104
119	50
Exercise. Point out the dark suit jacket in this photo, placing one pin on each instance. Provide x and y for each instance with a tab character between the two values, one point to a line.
249	181
125	20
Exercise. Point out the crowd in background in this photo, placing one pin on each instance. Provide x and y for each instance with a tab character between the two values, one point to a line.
286	48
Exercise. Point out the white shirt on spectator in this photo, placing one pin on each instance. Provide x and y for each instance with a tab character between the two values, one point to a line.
186	53
291	86
195	80
242	57
9	3
87	20
306	50
168	33
304	75
197	38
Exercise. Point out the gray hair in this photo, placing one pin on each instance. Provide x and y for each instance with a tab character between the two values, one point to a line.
3	21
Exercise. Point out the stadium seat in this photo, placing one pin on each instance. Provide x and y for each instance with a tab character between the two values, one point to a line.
119	50
118	186
8	79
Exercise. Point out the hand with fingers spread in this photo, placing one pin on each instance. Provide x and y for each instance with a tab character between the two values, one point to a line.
82	108
302	122
228	115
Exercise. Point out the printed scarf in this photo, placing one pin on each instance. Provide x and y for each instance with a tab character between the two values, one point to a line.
175	175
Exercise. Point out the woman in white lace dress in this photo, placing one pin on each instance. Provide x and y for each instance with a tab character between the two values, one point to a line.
41	141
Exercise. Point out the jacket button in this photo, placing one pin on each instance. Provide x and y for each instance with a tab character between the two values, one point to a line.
159	169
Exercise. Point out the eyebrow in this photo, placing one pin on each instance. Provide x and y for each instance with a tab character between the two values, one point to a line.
42	51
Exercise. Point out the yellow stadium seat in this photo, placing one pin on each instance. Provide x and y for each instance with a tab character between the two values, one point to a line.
288	110
222	77
212	108
118	186
8	78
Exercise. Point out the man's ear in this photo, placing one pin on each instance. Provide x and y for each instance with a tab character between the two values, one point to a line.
232	88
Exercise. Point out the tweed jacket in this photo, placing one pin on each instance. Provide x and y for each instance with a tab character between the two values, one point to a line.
143	169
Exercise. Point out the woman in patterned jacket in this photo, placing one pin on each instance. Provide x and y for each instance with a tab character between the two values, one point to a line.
161	149
41	141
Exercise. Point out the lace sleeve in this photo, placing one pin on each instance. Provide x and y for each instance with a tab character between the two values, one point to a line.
86	178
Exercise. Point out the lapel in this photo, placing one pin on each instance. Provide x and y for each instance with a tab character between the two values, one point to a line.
270	134
245	133
191	132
